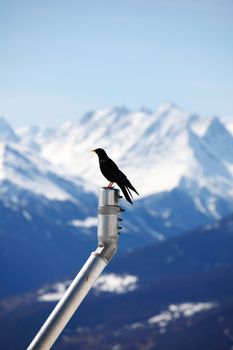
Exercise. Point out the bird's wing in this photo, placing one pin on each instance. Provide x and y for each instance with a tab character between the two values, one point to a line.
113	165
126	182
121	179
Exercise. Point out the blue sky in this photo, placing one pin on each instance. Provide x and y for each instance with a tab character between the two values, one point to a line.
59	59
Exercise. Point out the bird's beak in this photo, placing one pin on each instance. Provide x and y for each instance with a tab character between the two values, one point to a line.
92	150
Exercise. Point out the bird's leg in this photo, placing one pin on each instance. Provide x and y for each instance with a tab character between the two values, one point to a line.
110	185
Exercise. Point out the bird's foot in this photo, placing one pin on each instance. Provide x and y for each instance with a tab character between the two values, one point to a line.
110	185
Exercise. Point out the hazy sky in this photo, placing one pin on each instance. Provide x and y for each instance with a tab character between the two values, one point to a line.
59	59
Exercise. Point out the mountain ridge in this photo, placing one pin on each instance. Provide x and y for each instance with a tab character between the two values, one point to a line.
160	151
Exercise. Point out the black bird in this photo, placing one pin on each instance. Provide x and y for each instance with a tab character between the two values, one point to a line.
113	174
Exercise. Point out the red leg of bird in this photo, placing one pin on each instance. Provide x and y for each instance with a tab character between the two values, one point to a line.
110	185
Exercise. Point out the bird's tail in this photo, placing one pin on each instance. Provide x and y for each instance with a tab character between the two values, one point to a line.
126	192
131	187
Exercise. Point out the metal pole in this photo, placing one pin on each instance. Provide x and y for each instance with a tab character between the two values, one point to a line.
108	217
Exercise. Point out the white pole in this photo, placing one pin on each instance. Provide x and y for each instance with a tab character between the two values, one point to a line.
108	216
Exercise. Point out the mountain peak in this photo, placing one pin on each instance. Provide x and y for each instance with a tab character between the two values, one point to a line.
145	110
6	132
166	107
219	139
215	128
118	110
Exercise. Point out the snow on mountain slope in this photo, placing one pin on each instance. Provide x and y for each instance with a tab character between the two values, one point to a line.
26	169
139	142
228	122
28	173
156	150
220	140
113	129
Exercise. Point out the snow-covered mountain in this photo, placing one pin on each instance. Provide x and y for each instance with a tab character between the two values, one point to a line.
159	151
180	163
24	168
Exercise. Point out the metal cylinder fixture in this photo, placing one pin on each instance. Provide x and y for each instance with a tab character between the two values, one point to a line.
108	196
108	216
108	221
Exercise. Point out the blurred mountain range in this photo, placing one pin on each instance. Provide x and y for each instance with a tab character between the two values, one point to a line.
176	294
181	164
